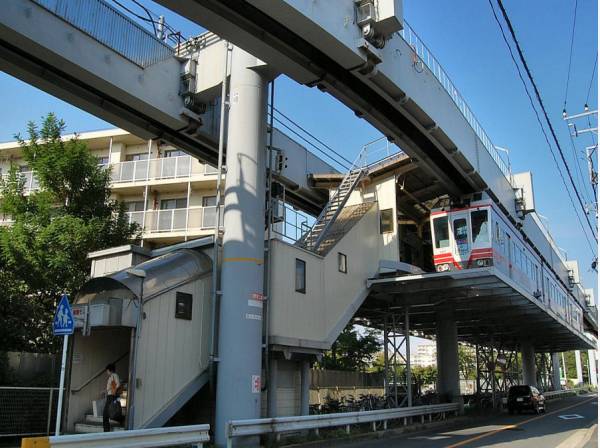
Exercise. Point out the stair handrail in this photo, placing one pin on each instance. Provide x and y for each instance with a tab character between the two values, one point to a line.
97	374
360	163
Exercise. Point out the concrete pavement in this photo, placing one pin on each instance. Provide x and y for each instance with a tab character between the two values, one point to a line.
567	423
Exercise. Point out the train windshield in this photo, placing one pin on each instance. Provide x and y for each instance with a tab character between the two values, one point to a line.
441	232
479	226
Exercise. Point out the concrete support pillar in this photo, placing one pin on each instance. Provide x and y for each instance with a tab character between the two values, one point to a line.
529	370
272	390
578	367
304	388
556	371
592	367
240	323
448	381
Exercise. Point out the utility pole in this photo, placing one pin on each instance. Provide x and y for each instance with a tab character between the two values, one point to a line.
575	132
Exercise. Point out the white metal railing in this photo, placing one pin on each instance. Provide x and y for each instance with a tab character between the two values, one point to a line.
175	220
241	428
563	393
30	181
426	58
102	22
160	168
195	435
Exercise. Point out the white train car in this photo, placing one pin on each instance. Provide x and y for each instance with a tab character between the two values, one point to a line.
479	235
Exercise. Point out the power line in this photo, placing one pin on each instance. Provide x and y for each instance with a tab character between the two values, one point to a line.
570	56
543	108
541	127
587	98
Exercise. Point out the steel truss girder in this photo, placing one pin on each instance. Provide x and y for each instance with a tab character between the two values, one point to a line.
497	370
544	372
396	336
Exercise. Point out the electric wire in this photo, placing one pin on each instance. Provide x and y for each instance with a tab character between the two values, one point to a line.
587	98
136	15
591	246
543	108
570	56
315	138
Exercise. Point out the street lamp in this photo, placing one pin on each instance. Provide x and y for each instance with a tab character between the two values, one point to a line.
141	274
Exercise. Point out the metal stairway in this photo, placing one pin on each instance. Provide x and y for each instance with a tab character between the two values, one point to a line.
312	239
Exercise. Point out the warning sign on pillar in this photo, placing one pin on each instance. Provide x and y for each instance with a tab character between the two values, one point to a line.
255	384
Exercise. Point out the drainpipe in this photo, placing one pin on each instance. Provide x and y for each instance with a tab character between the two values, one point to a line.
267	282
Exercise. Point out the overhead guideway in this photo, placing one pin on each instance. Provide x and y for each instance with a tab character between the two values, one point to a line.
321	44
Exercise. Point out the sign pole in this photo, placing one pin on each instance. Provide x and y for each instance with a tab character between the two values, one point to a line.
62	325
63	367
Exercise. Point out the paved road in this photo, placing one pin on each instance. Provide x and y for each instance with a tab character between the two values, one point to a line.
577	430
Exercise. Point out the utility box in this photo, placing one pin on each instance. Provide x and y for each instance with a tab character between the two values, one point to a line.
388	17
523	184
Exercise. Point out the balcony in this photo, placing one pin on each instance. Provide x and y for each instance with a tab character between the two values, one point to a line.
30	181
163	168
175	220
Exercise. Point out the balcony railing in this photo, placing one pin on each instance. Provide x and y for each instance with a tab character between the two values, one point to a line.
31	182
175	220
157	169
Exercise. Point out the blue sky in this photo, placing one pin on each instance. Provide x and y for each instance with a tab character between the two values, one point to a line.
464	37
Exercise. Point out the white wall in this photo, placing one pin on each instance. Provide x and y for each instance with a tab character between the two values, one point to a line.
331	299
172	351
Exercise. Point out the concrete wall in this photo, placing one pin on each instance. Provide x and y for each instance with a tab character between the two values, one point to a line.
172	351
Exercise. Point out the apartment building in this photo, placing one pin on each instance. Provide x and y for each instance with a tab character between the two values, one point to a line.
424	355
171	195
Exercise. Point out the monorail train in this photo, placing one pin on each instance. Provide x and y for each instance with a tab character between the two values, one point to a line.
480	235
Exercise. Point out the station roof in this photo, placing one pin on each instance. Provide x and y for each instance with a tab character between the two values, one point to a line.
416	186
488	306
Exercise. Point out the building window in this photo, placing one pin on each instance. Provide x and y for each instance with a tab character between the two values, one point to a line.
170	204
386	221
138	156
300	276
174	153
102	160
209	201
342	263
134	206
183	306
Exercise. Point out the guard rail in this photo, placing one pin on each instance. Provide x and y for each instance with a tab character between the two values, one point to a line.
241	428
194	435
563	393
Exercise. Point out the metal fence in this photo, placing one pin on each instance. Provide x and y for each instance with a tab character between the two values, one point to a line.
26	411
424	57
111	28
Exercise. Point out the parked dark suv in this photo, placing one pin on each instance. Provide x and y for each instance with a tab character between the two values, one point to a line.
525	398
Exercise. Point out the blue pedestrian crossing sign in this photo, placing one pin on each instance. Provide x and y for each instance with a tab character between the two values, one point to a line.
63	318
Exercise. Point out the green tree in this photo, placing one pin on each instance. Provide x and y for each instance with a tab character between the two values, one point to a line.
467	362
352	350
44	252
423	375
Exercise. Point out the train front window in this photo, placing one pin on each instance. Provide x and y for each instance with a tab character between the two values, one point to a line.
479	226
440	230
461	233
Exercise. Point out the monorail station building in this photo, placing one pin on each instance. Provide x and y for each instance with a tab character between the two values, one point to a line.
256	253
